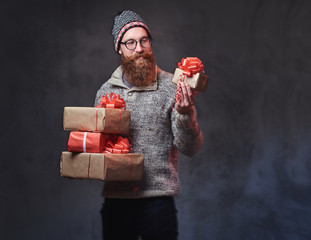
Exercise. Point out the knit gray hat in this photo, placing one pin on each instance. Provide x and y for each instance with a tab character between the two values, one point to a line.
123	22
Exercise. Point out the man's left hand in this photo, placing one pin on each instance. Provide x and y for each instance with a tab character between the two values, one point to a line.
184	98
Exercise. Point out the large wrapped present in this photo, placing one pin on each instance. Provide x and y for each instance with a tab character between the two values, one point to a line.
90	142
109	116
108	167
94	119
190	71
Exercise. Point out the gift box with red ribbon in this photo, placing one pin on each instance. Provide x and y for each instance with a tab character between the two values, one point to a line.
109	116
87	142
190	71
101	166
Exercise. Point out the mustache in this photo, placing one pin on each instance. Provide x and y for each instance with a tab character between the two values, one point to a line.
138	55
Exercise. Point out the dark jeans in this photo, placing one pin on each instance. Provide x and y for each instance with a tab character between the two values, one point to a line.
150	218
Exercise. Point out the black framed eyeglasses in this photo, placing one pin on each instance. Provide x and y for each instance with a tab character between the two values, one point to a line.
132	44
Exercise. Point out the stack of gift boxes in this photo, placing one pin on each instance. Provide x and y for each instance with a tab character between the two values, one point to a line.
97	144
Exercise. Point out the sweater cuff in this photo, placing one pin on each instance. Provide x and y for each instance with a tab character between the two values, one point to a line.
186	120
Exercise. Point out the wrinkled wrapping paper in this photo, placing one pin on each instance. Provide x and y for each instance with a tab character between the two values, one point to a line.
197	82
106	120
107	167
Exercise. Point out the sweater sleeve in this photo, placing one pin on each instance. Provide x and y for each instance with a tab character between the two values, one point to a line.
98	97
104	89
188	137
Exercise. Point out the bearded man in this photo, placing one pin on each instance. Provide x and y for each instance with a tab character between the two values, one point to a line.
160	127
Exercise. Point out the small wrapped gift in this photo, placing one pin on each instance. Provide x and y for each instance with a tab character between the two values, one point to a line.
109	116
108	167
90	142
190	70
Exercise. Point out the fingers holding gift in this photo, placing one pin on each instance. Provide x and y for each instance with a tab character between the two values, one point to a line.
186	94
184	98
190	94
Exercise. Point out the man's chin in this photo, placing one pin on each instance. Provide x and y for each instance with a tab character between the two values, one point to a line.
140	60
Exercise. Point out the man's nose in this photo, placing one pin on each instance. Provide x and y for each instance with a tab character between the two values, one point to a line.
138	48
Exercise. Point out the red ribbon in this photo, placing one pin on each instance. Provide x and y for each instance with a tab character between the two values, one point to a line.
112	100
117	144
190	66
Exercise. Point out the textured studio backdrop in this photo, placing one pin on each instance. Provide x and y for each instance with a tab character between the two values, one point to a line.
250	181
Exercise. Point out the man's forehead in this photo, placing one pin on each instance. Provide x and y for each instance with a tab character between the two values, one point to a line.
135	33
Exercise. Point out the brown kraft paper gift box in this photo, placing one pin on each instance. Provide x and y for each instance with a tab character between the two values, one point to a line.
108	167
106	120
197	82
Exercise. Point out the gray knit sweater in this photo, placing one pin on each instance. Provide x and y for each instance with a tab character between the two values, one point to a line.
158	131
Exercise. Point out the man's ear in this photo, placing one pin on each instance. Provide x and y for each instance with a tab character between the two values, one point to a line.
120	51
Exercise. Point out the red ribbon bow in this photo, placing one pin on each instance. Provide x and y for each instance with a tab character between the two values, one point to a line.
117	144
191	65
112	100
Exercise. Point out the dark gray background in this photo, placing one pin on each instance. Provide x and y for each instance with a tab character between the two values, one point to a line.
251	180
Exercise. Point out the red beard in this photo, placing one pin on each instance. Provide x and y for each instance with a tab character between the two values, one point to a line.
141	72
